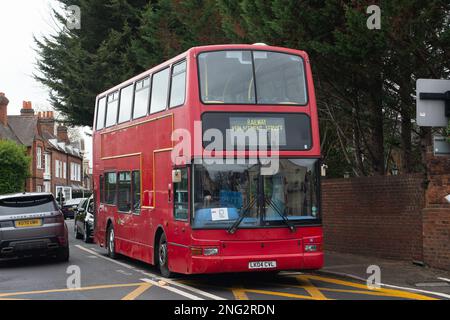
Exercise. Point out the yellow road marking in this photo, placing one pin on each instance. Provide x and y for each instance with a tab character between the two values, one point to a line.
137	292
280	294
12	294
239	293
312	290
383	291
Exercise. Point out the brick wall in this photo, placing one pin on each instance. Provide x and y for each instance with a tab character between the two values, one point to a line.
436	237
436	215
374	216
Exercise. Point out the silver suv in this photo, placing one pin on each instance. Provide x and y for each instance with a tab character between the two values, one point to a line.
32	224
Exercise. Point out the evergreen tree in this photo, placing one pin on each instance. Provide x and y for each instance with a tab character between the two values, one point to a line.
76	65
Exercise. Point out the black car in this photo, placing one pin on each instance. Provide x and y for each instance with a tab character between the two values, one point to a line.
84	220
70	206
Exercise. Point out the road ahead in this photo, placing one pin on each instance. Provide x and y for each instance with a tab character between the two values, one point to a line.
126	279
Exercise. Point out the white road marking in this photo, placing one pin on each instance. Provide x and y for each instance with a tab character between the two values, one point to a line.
444	279
157	278
124	272
177	291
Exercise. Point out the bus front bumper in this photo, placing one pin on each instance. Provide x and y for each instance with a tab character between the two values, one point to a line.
224	264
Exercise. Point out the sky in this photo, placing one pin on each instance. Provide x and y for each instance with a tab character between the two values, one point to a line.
20	20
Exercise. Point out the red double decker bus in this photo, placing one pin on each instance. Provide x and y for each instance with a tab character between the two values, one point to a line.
209	163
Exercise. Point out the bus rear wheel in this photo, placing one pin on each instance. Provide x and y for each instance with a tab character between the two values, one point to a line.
163	257
110	242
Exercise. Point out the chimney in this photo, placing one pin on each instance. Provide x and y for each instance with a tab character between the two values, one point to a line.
27	109
62	134
3	109
46	122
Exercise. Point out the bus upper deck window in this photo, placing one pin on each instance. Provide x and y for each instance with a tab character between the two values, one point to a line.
126	103
160	89
101	112
141	97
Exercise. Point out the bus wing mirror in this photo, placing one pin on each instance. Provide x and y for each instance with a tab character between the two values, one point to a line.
148	198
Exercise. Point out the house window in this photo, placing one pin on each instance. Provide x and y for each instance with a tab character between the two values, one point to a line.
57	168
38	188
39	157
47	186
47	165
75	171
65	170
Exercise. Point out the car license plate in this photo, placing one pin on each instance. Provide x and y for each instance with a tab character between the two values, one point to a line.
28	223
262	264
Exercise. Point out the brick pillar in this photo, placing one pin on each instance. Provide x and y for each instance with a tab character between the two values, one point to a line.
436	215
3	109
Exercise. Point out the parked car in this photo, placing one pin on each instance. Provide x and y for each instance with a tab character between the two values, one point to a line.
70	206
32	224
84	220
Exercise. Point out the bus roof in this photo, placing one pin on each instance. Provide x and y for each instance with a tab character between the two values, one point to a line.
197	50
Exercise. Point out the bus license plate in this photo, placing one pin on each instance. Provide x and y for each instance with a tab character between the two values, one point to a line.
262	264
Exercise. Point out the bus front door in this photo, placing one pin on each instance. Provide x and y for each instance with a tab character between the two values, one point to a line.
174	222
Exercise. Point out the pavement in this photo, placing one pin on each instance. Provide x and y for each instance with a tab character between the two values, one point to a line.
102	278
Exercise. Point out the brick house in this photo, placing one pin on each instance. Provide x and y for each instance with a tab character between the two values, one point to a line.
56	164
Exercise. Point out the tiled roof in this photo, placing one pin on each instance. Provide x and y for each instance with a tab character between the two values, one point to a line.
7	134
25	128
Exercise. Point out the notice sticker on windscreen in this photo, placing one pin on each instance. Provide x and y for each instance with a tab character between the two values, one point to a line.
218	214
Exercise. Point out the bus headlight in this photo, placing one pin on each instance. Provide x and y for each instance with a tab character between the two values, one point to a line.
211	251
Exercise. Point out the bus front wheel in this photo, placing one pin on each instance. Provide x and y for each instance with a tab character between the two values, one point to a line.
163	257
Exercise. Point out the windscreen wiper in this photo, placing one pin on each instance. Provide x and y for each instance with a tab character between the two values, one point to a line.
277	210
246	210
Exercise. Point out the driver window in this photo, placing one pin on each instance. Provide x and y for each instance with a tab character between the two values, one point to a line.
181	196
